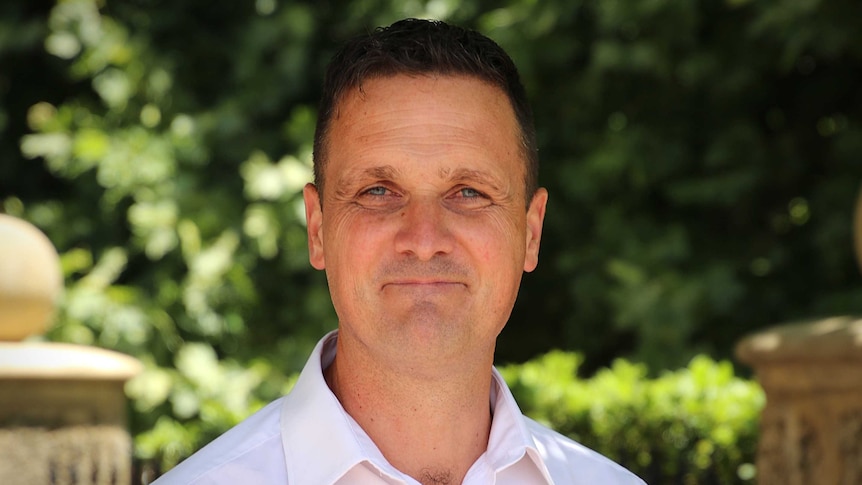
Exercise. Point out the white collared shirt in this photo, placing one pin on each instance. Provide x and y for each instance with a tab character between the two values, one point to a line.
307	438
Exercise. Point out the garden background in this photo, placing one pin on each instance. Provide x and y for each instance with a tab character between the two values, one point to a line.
703	161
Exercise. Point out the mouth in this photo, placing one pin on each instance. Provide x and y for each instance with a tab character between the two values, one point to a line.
419	284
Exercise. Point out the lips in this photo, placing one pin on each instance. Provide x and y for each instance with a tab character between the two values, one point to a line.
438	273
430	284
424	281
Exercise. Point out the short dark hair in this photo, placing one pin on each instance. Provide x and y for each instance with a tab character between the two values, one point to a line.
415	47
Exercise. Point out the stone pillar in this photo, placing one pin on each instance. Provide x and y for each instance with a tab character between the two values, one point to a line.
811	427
62	406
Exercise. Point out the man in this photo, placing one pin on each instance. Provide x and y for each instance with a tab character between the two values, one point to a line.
424	214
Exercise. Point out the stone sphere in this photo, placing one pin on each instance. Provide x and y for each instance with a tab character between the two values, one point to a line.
30	279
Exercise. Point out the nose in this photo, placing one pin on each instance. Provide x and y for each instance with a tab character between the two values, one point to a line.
424	230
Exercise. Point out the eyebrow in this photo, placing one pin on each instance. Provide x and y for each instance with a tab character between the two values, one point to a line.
467	174
386	172
351	176
381	172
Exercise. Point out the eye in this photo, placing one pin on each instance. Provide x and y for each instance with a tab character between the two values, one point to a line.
469	193
467	197
377	191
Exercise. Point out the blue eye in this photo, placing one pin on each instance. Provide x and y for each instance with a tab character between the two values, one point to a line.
470	193
376	191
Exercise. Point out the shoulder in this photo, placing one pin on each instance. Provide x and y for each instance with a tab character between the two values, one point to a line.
250	452
573	463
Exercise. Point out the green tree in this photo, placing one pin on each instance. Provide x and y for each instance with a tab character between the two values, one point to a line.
703	160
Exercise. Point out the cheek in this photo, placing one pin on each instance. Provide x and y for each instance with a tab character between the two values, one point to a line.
350	240
495	241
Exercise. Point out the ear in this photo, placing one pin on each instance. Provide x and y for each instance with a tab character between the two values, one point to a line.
535	220
314	225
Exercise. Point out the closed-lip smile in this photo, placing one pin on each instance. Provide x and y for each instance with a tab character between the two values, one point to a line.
423	282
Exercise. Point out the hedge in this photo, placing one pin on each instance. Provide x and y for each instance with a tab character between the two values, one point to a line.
696	425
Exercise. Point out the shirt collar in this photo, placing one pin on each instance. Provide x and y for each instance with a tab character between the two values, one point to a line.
510	438
312	419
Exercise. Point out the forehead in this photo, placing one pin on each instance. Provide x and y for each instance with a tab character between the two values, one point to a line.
425	117
428	88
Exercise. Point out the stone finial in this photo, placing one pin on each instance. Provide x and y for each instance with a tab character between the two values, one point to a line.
829	339
811	427
62	406
30	279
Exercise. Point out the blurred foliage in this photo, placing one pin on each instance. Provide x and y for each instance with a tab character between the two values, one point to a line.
694	426
703	160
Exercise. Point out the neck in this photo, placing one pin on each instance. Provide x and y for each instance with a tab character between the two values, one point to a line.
430	426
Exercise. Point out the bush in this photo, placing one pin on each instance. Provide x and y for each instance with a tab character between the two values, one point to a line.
697	425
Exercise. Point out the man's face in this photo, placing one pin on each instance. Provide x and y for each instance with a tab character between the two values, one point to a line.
423	231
